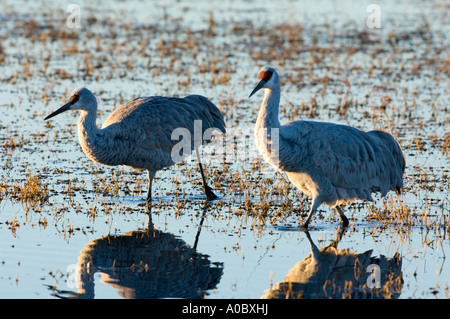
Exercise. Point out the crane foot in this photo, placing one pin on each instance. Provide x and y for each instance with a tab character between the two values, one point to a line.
209	193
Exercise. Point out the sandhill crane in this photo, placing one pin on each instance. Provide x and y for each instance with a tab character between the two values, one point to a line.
138	134
334	164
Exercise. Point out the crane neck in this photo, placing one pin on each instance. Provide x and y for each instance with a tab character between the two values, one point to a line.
268	112
267	127
90	136
98	144
87	125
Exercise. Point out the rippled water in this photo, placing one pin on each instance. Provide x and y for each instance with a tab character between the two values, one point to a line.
89	235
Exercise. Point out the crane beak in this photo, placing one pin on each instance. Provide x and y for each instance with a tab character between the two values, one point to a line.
258	87
63	108
73	99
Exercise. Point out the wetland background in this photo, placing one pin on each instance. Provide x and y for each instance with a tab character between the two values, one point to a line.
72	228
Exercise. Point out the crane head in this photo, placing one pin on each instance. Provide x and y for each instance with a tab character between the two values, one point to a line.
80	99
266	79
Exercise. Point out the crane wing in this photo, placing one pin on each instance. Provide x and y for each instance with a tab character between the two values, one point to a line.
148	123
348	157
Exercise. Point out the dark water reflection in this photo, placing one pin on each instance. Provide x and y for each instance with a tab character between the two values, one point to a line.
145	264
341	273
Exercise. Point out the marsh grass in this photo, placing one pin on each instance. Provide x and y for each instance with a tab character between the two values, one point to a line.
32	192
365	78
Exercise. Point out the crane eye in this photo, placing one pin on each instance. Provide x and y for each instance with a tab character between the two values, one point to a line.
74	98
265	75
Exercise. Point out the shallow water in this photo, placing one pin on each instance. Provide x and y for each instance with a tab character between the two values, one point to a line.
82	230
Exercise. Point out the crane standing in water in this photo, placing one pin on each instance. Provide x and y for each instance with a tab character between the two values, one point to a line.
138	134
334	164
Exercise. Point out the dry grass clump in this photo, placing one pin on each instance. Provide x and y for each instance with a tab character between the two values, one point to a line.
32	192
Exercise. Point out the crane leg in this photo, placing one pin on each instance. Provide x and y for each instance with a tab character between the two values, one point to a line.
308	219
315	204
150	176
341	214
208	191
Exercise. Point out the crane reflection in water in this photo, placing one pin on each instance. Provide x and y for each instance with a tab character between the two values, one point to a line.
145	264
340	274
